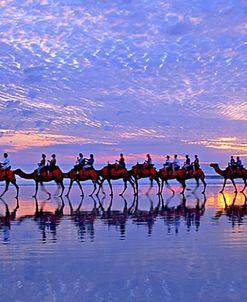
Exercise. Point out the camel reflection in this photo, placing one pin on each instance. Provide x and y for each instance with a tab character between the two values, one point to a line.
189	214
47	221
234	212
144	217
187	211
5	220
84	220
116	218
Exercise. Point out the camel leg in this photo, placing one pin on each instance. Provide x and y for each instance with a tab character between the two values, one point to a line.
169	187
70	185
197	185
158	184
151	186
94	188
62	186
224	184
44	190
102	188
110	185
204	183
16	186
183	186
162	186
137	189
6	188
233	182
100	185
245	185
80	186
36	189
58	188
125	187
133	185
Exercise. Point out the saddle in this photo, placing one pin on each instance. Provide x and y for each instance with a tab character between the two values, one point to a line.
55	172
115	172
4	172
86	172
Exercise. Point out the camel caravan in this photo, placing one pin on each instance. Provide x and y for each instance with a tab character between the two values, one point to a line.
84	170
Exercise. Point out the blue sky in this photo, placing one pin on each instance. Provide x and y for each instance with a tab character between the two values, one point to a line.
106	77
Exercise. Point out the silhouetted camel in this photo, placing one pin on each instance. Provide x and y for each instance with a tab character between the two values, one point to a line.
143	171
181	175
55	175
229	174
82	175
111	173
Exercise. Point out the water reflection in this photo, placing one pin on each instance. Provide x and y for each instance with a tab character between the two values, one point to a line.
47	221
176	211
235	212
5	220
189	214
84	220
151	248
173	211
114	218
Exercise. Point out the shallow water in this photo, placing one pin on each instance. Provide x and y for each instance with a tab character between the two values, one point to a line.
145	249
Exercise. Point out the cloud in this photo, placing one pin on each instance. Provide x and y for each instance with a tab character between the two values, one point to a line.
19	140
145	74
229	144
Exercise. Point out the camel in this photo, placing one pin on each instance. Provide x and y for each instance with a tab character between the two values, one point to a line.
141	171
9	177
111	173
55	175
229	174
181	175
165	175
82	175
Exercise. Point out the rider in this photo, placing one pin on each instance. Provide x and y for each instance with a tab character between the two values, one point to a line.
187	162
89	162
41	164
196	163
168	163
121	162
80	162
52	163
232	164
148	162
5	165
239	163
175	163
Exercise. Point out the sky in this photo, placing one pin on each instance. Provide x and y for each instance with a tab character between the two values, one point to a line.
131	76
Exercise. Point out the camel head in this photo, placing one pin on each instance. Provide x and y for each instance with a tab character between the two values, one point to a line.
214	165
